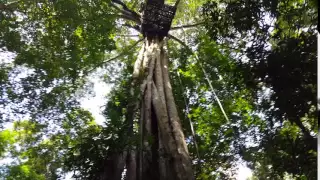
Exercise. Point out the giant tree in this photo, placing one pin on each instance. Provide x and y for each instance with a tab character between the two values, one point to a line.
167	156
59	46
63	32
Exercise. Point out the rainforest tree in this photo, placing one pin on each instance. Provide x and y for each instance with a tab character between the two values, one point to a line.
158	115
163	119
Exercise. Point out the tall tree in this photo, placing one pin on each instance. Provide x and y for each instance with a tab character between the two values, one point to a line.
159	120
167	156
162	85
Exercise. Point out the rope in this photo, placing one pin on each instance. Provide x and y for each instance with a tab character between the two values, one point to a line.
190	121
213	92
204	72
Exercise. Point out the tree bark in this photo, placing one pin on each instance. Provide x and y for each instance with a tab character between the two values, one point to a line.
163	153
113	166
173	161
131	166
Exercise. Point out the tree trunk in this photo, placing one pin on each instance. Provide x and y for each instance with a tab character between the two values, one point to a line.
131	166
113	166
164	151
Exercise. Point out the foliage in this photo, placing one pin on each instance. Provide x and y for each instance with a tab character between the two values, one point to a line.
43	153
58	42
260	57
278	54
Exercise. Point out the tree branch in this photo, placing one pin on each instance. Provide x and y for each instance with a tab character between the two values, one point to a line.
130	18
9	6
136	27
128	35
125	10
116	57
177	3
124	6
179	41
186	26
126	14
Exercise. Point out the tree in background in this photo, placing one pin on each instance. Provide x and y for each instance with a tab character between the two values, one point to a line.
277	41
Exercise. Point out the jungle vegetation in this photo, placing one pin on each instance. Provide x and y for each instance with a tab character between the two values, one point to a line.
232	81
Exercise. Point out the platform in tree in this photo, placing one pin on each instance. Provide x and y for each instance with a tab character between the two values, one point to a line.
157	19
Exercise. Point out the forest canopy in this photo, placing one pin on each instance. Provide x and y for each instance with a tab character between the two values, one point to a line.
231	81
